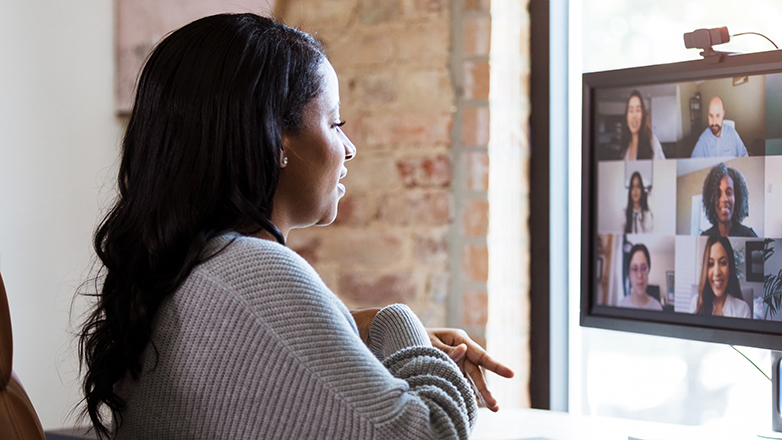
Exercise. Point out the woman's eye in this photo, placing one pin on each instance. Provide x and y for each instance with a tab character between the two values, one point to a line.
340	123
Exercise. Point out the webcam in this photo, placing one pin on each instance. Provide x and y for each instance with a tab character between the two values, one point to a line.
705	39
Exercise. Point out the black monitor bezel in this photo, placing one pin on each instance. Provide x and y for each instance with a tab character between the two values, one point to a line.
729	331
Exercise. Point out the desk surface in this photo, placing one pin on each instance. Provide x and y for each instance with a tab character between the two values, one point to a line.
530	424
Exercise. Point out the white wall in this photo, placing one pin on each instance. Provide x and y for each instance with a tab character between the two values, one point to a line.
58	144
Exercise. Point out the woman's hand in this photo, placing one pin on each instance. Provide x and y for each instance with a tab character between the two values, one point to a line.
472	359
363	320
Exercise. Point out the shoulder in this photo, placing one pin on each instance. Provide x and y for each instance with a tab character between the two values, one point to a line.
711	231
694	303
739	230
657	148
265	275
653	304
738	308
625	302
702	144
236	256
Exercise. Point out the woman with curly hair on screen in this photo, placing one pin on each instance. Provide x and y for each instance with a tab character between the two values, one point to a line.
719	292
725	201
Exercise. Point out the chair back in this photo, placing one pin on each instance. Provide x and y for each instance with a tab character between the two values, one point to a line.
18	419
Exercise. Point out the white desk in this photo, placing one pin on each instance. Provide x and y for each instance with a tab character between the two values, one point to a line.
530	424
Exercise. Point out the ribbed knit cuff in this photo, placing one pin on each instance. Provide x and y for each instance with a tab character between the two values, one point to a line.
396	327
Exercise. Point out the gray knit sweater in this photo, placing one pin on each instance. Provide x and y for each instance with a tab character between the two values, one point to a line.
253	345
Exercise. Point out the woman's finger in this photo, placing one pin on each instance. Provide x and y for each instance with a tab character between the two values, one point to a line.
482	393
477	355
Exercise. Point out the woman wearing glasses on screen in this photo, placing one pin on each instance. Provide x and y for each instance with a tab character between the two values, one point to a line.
637	136
725	200
719	292
638	273
638	217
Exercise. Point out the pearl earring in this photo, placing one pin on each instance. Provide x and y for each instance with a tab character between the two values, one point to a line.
284	162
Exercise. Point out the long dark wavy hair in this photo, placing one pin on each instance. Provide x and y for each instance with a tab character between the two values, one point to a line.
643	202
644	132
705	294
201	156
711	193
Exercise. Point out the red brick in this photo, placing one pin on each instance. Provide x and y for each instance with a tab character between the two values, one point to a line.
476	218
430	171
362	247
475	263
430	249
475	308
477	165
475	126
354	210
376	11
430	209
476	80
377	289
477	5
407	129
477	36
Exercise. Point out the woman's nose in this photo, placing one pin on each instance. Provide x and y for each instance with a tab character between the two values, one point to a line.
350	149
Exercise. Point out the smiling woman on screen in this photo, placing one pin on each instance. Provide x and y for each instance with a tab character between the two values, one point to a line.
726	202
637	137
719	292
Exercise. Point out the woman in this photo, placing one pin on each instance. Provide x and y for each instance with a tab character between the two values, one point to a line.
638	218
638	273
725	200
205	324
719	292
637	136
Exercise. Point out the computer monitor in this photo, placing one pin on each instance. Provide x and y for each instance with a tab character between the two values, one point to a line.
682	200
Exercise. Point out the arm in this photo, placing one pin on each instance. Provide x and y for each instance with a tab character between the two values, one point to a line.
741	149
657	149
401	388
471	358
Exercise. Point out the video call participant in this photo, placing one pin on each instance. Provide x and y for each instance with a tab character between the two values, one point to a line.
725	200
719	292
719	140
638	274
638	217
637	136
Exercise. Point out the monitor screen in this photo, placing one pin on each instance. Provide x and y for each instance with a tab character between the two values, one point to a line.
682	208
